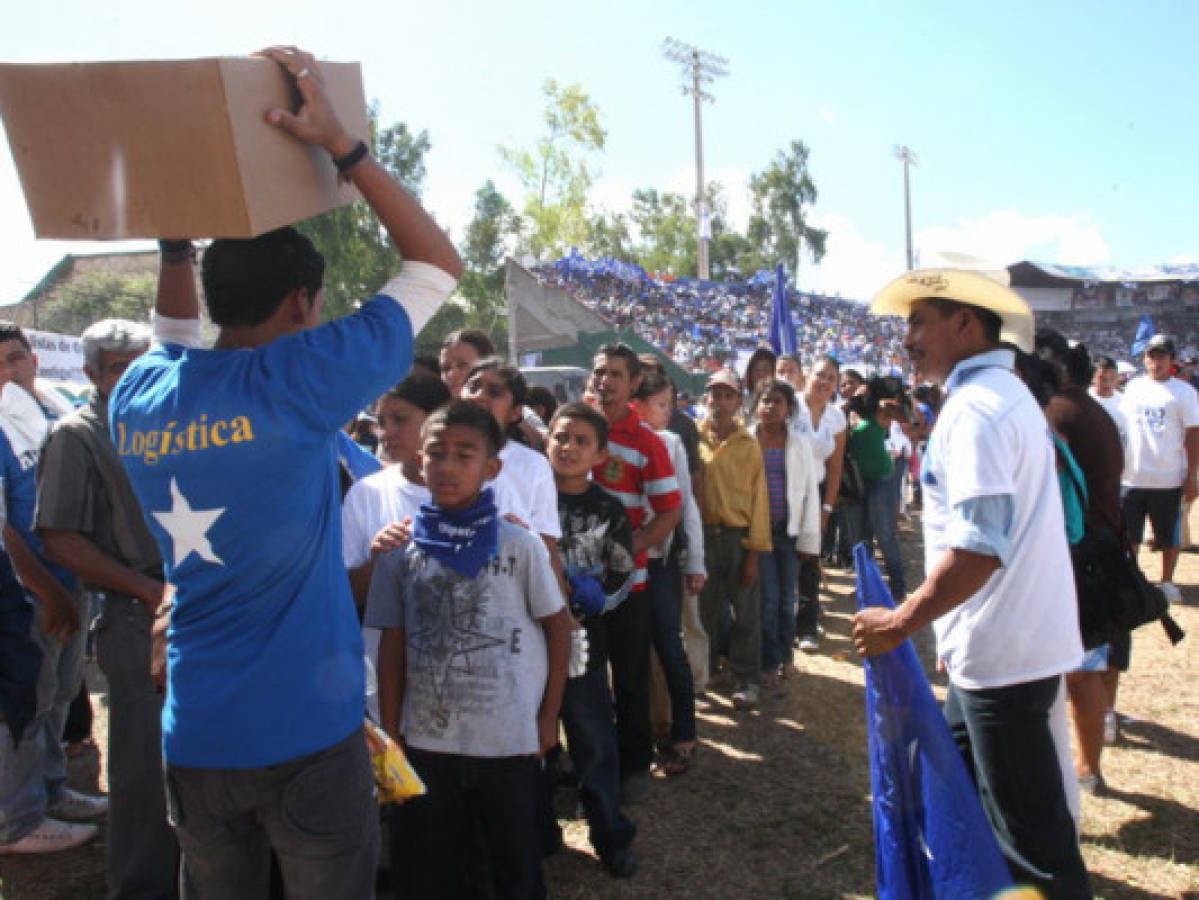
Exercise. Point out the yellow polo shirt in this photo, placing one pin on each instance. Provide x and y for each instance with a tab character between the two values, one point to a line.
734	492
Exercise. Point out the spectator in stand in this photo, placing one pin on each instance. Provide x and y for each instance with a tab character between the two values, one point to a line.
736	518
1163	455
91	522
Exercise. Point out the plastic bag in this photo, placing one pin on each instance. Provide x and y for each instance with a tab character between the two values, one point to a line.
396	779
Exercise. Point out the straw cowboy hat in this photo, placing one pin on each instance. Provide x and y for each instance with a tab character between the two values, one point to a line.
973	288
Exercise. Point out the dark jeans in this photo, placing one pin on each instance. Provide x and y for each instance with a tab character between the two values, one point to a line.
497	796
1005	739
630	627
778	576
591	739
725	557
807	605
666	582
317	813
142	854
876	519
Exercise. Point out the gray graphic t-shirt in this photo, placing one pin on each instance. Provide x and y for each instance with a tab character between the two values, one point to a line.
476	656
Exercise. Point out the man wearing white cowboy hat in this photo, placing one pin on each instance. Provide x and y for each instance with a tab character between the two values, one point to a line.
1000	589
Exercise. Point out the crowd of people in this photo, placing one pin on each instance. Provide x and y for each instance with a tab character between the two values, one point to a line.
484	571
702	325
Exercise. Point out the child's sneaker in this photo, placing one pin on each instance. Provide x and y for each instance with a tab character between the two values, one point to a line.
746	697
1111	728
75	806
51	836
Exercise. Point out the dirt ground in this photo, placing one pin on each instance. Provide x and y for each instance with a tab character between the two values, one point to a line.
778	804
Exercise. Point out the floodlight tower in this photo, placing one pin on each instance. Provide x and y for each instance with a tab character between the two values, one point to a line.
699	68
908	158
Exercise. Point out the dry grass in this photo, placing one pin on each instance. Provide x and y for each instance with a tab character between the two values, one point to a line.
778	804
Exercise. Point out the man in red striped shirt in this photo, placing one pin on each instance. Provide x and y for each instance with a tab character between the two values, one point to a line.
640	474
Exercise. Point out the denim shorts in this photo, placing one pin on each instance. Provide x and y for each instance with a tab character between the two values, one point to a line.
1094	660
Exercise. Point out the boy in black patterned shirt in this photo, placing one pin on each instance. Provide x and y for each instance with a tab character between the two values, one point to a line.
597	551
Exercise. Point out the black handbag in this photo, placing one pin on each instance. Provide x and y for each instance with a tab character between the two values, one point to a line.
852	490
1114	596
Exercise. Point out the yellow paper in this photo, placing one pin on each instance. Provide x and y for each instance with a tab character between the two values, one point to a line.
396	779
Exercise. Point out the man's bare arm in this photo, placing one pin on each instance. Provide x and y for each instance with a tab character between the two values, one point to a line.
1189	488
390	679
78	553
656	531
957	576
57	613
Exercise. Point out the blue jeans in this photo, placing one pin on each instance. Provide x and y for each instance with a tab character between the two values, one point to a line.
1005	739
876	519
778	575
590	726
666	584
317	813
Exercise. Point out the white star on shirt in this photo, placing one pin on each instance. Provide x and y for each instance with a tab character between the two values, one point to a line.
189	527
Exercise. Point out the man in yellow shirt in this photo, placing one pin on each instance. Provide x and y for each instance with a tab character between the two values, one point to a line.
736	517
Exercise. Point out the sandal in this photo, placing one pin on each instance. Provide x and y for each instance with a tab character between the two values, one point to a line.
678	760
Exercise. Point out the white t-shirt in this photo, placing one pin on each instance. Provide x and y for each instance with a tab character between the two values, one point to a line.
991	439
525	488
1158	415
372	503
823	435
1111	406
476	660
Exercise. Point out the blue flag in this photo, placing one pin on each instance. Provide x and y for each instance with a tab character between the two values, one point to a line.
782	330
931	837
1145	331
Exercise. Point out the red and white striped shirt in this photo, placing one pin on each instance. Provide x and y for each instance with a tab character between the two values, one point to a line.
638	473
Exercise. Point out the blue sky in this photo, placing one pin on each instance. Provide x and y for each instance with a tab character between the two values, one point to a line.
1053	130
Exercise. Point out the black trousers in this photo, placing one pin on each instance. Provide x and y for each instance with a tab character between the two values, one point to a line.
630	633
1004	737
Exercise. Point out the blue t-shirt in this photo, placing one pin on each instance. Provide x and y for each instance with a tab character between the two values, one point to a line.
20	498
232	454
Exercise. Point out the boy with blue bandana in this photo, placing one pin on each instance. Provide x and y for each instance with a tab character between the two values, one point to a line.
472	666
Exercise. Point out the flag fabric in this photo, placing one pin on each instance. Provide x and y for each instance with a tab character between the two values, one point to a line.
782	330
1145	331
931	837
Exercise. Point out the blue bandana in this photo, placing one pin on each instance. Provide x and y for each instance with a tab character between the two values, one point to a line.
464	539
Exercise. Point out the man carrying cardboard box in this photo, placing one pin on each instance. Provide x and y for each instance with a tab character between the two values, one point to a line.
231	453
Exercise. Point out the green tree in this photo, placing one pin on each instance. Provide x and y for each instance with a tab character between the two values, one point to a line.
483	252
76	304
359	257
667	232
779	225
556	173
608	235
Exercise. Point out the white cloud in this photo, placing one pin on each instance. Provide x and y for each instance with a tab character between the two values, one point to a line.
853	266
1003	237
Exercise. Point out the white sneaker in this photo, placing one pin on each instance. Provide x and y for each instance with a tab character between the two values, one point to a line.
1111	728
50	836
75	806
1170	589
746	697
809	644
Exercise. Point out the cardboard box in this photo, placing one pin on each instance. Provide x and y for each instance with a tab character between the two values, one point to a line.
169	148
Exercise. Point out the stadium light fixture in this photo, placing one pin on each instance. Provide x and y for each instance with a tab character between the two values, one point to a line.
905	155
699	68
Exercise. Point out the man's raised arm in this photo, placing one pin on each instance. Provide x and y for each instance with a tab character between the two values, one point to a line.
415	234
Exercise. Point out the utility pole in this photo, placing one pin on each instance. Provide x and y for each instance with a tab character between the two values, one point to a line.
699	68
908	158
